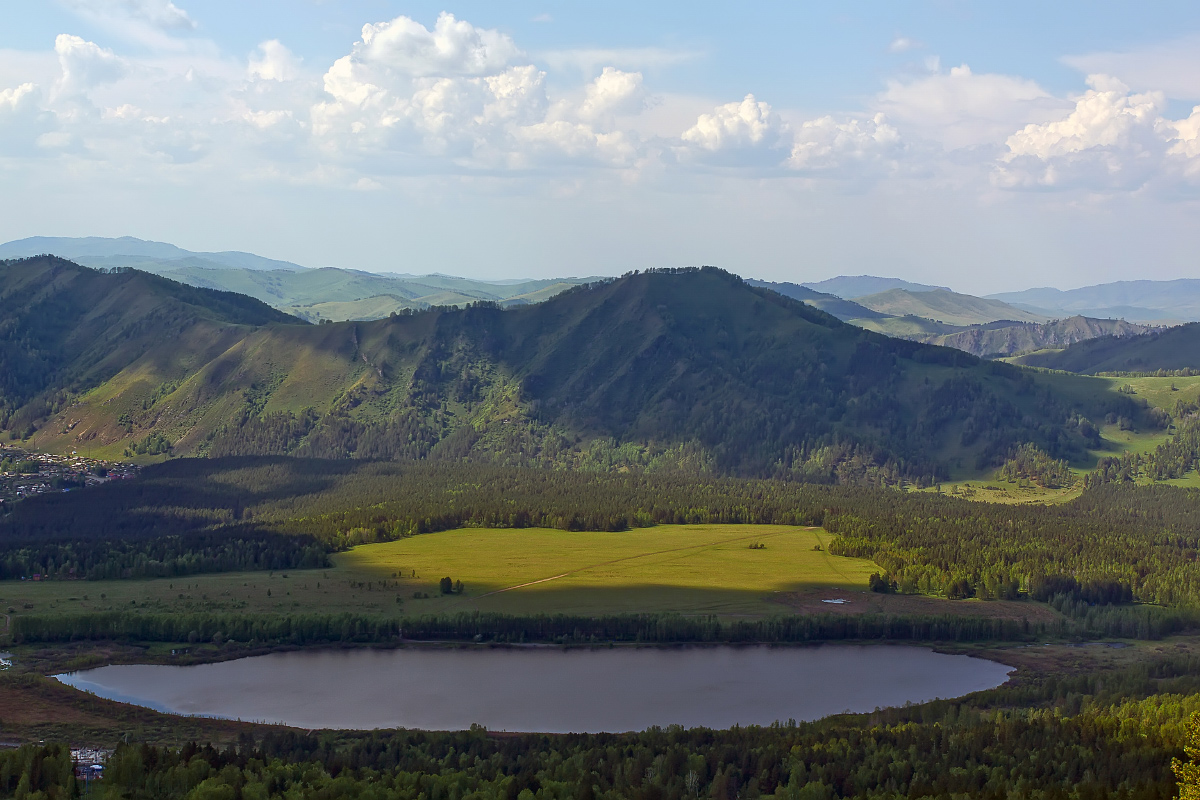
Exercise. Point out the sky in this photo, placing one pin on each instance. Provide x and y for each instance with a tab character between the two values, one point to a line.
987	147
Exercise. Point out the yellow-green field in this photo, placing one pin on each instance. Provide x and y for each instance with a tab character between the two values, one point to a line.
683	568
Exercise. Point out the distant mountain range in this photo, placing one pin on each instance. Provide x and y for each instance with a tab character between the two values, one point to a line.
312	294
849	287
1000	325
986	328
126	251
1145	301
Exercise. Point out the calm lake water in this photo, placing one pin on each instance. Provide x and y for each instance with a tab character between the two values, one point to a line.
548	690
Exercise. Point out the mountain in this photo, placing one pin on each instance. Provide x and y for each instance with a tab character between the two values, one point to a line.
1170	349
851	287
945	306
126	251
68	329
1140	301
999	339
686	370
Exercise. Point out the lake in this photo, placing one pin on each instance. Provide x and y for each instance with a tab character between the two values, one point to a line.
548	689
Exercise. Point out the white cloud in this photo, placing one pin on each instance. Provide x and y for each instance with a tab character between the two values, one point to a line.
272	61
1183	136
85	64
745	127
826	145
12	100
613	92
1112	139
21	120
1107	115
961	108
455	93
453	47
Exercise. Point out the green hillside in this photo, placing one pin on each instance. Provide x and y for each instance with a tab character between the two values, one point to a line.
688	369
945	306
1172	349
68	329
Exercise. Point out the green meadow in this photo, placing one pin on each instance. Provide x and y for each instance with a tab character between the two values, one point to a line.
693	569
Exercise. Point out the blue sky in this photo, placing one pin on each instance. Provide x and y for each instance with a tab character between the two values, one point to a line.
986	147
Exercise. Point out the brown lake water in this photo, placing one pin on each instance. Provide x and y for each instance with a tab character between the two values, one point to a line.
548	690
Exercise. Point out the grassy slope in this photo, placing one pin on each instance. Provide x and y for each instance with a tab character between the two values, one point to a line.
682	568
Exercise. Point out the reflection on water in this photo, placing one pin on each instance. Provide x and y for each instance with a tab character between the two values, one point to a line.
548	690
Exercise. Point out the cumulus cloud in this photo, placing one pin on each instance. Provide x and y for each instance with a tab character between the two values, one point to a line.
453	47
747	129
85	64
1107	115
21	120
1183	136
1111	139
825	144
272	61
460	92
613	92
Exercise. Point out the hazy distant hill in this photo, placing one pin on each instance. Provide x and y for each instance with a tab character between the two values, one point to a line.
943	305
989	339
690	370
313	294
342	294
850	287
1170	349
1143	301
126	251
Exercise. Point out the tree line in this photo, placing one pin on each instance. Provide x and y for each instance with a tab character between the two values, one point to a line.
307	629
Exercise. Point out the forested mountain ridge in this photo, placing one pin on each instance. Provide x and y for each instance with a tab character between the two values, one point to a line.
65	329
690	369
1171	349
